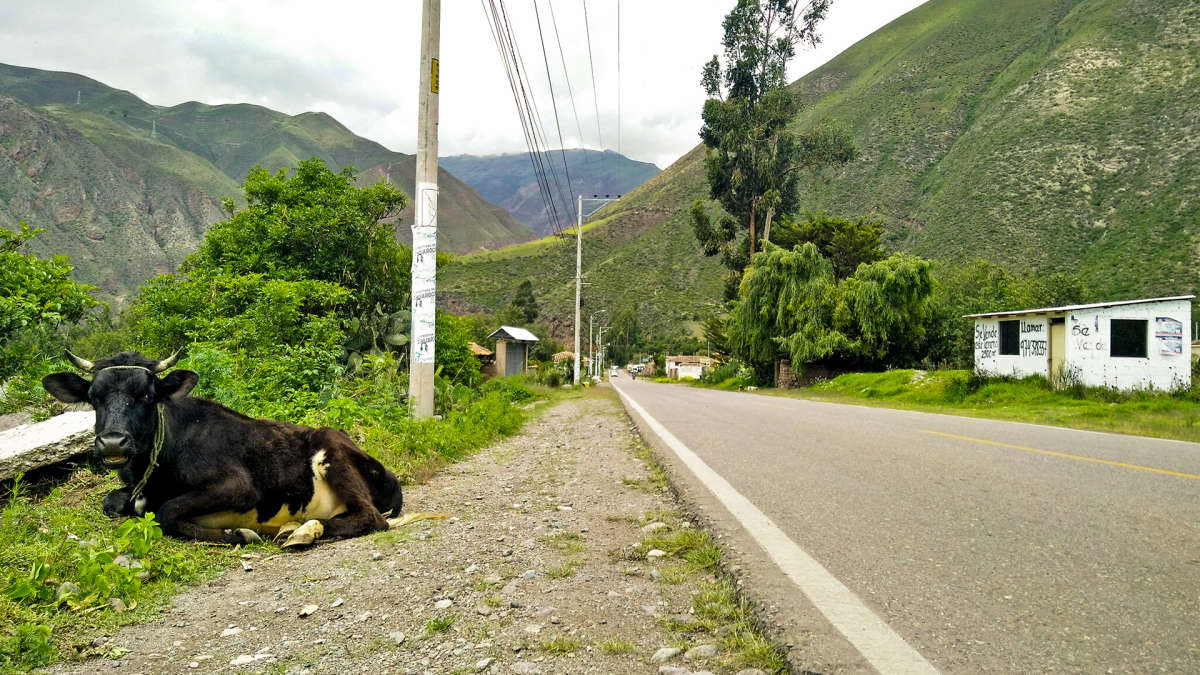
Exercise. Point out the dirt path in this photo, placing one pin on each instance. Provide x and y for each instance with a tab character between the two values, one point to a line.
535	571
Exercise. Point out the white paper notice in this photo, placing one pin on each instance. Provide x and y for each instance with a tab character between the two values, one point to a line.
424	272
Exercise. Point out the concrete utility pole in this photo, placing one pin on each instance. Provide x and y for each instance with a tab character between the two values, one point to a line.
579	266
578	277
601	341
424	227
591	345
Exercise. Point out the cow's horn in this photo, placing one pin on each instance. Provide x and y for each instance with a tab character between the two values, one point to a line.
168	362
82	364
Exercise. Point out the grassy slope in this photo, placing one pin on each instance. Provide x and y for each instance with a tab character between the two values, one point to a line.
1047	134
1142	413
639	251
1057	134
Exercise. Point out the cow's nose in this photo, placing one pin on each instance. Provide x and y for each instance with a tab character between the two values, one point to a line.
112	443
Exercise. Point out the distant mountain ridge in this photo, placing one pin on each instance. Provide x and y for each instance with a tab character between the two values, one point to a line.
127	189
1053	135
509	180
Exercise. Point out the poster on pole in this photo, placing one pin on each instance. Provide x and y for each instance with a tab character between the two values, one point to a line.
424	273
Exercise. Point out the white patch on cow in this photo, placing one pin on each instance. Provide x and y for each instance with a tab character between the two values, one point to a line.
325	503
139	505
319	464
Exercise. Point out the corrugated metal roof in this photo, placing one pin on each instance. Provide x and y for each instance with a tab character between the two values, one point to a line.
689	359
1072	308
513	333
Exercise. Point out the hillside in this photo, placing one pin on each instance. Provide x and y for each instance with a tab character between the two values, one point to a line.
1055	134
639	251
508	179
1048	134
170	167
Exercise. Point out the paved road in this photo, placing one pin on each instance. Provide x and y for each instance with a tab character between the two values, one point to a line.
985	545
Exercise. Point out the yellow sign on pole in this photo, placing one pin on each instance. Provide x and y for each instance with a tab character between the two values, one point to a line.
433	80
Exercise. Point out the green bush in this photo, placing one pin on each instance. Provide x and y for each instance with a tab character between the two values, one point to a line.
37	297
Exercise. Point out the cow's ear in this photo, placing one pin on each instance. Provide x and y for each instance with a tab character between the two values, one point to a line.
177	384
67	387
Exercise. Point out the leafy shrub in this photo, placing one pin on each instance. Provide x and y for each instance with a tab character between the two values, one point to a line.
452	350
36	298
60	563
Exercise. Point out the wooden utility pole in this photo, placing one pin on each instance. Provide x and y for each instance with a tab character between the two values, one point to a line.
424	227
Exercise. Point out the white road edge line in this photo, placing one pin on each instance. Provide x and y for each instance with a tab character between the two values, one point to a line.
874	639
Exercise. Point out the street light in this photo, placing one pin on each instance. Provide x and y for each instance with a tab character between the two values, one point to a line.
601	340
591	346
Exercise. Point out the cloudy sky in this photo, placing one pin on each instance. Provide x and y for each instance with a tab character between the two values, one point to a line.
358	60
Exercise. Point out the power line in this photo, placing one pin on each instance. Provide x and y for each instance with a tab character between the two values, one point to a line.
527	112
553	101
538	127
567	77
595	95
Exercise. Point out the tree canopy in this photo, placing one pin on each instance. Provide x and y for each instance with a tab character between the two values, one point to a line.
754	158
793	305
524	305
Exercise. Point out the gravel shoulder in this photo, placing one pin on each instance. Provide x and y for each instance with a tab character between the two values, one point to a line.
540	566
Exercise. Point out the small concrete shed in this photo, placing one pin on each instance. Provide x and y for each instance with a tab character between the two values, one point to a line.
512	349
1130	344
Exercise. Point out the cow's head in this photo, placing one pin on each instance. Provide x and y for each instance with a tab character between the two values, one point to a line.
124	391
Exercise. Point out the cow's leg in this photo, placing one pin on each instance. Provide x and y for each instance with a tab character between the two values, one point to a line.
360	517
233	494
117	503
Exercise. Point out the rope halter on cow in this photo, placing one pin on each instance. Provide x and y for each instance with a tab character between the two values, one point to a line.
160	434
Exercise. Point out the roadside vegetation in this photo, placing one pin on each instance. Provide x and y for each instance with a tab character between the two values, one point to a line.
1031	399
296	308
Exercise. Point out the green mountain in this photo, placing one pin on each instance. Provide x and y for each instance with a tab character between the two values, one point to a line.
127	188
1054	135
639	251
509	180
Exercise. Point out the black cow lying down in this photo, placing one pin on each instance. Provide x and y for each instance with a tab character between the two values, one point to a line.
210	473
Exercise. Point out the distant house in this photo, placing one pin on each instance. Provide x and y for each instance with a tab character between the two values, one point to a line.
687	366
512	349
1131	344
487	359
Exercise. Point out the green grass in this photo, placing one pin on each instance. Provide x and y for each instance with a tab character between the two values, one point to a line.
439	624
616	647
564	542
1144	413
560	646
564	570
51	535
722	615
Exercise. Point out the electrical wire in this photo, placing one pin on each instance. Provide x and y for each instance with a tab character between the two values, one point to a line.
527	112
595	95
553	101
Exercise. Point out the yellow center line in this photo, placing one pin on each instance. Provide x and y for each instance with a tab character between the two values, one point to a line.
1063	454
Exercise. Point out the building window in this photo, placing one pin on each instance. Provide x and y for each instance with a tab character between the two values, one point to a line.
1129	338
1010	338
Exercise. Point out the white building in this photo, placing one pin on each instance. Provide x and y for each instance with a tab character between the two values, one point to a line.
687	366
1132	344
